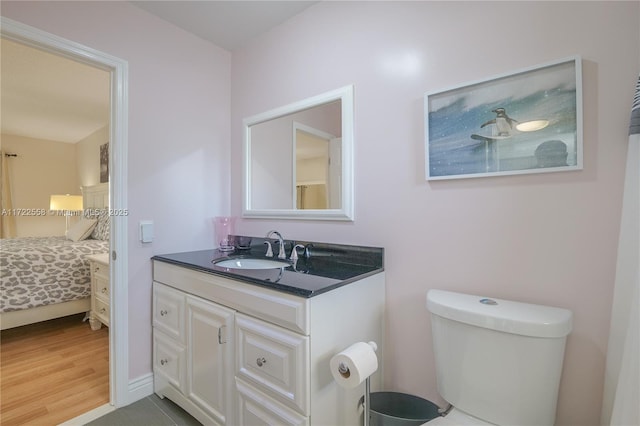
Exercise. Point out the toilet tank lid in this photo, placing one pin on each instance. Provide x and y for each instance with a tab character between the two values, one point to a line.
501	315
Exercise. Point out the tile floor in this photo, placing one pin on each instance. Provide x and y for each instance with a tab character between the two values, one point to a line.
149	411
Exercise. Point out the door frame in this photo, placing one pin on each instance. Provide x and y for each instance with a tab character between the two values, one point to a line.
118	269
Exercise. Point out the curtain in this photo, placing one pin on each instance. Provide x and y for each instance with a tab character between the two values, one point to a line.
622	380
7	220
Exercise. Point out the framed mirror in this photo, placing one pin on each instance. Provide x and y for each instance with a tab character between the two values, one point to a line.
298	160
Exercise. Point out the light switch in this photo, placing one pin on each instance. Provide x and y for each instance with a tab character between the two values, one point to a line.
146	231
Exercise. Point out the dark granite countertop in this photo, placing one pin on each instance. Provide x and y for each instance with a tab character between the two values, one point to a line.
328	267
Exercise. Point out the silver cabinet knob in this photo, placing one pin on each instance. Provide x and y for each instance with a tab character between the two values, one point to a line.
164	361
261	361
163	313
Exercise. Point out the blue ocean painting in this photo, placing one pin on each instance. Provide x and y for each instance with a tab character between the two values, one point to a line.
472	129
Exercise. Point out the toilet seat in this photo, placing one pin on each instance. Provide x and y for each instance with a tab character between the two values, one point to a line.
456	417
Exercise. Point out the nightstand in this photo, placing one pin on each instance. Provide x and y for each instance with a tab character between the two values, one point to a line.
100	290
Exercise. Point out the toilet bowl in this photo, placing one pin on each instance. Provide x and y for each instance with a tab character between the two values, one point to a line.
498	362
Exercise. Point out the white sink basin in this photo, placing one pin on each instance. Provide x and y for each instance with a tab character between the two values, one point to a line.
250	263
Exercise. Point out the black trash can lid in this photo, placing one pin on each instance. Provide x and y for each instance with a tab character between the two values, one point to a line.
403	406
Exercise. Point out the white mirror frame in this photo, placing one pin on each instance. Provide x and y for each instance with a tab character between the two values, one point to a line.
346	212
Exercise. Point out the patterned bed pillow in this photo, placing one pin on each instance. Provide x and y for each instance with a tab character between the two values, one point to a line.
101	231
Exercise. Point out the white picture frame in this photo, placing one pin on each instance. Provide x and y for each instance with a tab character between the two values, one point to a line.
528	121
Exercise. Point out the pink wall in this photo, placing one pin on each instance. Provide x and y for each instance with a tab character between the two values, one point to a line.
178	151
541	238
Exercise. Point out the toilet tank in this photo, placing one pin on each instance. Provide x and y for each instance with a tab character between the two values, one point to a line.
498	360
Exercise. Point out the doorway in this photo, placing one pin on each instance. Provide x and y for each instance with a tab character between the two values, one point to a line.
118	70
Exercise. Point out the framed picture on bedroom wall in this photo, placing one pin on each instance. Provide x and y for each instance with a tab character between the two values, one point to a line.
529	121
104	163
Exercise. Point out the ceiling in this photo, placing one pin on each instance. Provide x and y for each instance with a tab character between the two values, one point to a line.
44	96
228	24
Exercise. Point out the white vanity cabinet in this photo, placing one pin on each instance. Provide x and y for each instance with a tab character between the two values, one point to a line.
235	353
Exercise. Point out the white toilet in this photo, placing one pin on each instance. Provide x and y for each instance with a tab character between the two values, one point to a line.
498	362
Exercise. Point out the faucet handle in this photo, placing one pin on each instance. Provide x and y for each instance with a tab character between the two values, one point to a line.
294	251
307	250
281	252
269	252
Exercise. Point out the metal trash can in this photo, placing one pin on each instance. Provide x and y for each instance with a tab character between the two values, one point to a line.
400	409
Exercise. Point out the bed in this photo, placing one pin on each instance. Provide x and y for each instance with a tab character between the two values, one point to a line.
42	278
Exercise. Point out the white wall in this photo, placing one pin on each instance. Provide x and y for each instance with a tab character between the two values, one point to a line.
88	153
178	149
44	168
41	169
541	238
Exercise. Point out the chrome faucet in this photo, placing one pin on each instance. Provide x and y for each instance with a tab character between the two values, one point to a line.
281	253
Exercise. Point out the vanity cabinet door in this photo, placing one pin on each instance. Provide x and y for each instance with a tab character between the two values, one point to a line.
210	357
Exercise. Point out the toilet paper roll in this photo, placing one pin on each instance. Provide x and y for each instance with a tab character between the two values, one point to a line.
354	364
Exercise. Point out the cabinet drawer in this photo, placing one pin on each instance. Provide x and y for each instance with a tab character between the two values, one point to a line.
101	288
102	311
256	409
169	362
168	311
100	270
275	360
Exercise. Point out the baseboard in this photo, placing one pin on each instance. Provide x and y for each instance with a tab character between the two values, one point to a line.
140	387
89	416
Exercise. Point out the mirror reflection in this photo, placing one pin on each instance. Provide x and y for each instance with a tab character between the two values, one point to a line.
295	160
318	159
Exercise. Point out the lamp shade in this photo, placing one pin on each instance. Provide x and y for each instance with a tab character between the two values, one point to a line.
66	202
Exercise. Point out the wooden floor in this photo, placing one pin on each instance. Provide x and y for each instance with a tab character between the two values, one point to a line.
52	371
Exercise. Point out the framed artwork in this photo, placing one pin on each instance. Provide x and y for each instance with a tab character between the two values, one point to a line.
529	121
104	162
